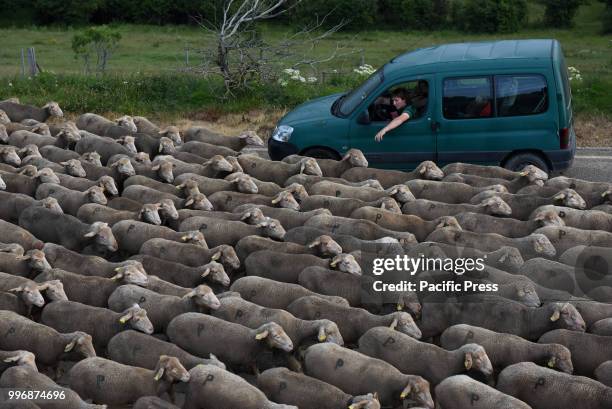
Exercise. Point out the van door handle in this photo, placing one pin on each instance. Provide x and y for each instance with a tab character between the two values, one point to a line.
435	126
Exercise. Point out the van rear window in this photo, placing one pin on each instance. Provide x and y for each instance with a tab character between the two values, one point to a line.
520	95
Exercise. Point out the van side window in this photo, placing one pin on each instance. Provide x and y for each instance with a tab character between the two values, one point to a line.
520	95
466	98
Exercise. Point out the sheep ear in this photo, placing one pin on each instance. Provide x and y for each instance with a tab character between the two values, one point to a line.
261	335
393	323
560	196
71	345
24	257
245	216
263	224
334	261
302	167
216	256
555	316
314	243
161	148
523	173
159	374
155	167
189	201
322	335
468	361
11	359
16	289
205	272
126	318
422	170
90	234
116	277
276	200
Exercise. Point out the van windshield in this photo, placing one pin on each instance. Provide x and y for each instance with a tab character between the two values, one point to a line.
351	100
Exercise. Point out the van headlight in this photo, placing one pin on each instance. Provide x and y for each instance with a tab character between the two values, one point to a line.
282	133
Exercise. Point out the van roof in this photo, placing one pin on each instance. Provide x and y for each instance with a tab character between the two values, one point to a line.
486	50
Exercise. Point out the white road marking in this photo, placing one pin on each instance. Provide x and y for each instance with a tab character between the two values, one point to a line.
594	157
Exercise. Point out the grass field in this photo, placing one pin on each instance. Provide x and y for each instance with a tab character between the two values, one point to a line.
144	74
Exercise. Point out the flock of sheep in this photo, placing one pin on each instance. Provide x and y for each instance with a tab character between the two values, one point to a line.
147	268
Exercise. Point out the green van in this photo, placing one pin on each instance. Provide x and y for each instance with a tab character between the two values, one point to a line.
505	103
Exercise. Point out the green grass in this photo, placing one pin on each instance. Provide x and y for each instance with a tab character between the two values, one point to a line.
149	59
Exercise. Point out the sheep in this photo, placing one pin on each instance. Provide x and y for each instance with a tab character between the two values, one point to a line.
306	234
305	392
92	158
72	167
289	218
107	183
101	323
506	349
11	248
594	193
420	358
91	212
323	246
528	176
18	112
103	380
554	275
25	378
193	255
588	350
104	146
50	152
237	143
4	118
167	211
274	294
19	358
28	291
234	344
536	244
603	373
352	322
71	200
251	315
131	234
509	227
308	180
228	201
496	172
212	387
580	219
220	231
99	125
144	125
430	210
367	194
48	345
564	238
335	168
387	178
8	155
343	207
183	275
27	185
162	308
13	204
25	265
140	180
251	216
216	166
355	373
65	139
193	151
12	233
521	380
287	267
137	349
145	195
463	392
404	222
277	172
498	314
93	290
239	182
363	229
67	230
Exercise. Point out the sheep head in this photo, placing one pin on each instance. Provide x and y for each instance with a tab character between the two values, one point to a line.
170	370
496	206
22	358
30	171
29	294
128	142
369	401
95	194
475	358
69	131
81	343
30	150
429	170
204	297
389	204
418	391
36	260
4	118
275	336
401	193
607	196
526	294
328	331
108	184
251	138
8	154
130	273
149	213
54	290
53	109
41	129
235	164
244	183
570	198
326	246
372	183
566	316
74	168
216	273
164	168
298	191
309	166
542	245
253	215
45	175
199	201
189	187
346	263
166	146
534	174
92	157
12	248
137	319
219	164
127	122
167	209
356	158
141	157
285	200
172	133
448	221
194	237
272	228
560	358
227	256
548	217
102	235
510	256
404	323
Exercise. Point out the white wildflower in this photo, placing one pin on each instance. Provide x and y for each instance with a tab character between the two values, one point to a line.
311	79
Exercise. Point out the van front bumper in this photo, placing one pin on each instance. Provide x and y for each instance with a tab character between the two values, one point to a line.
278	150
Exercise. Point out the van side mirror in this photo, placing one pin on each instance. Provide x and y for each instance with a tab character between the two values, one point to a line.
363	118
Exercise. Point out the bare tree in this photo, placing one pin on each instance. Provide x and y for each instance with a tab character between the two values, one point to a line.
240	54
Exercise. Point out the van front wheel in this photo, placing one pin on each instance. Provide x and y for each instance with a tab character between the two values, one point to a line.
321	153
520	160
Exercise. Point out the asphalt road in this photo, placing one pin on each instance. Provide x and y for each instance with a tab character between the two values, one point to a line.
594	164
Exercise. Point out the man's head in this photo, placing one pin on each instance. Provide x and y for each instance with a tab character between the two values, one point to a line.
422	88
399	98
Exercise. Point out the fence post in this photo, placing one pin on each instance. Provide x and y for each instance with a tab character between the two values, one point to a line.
22	63
187	55
34	68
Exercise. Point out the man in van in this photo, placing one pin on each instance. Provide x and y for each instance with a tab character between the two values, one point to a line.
399	99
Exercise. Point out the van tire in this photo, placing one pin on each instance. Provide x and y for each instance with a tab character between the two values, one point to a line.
519	161
321	153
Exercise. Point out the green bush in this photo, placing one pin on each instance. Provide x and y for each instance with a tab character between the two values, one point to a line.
358	14
607	18
561	13
489	16
66	12
424	14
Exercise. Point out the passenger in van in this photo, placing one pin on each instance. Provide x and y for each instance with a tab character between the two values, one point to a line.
404	111
419	101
